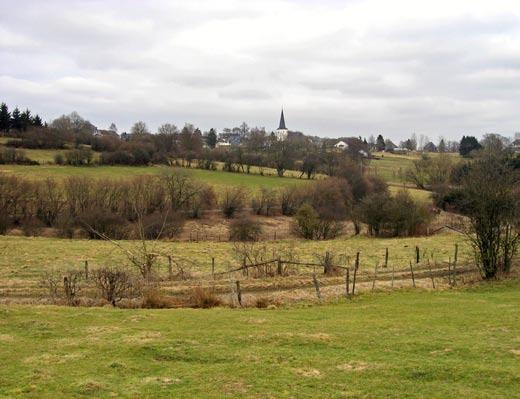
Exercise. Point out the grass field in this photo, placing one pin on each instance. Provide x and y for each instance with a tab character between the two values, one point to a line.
407	344
216	178
25	259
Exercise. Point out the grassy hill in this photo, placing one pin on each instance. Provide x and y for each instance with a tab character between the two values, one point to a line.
408	344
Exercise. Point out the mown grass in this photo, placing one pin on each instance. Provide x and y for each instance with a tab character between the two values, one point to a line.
25	258
408	344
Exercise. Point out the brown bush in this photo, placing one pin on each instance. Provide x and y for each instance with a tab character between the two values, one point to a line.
244	229
265	202
153	299
232	201
159	225
204	298
114	284
98	223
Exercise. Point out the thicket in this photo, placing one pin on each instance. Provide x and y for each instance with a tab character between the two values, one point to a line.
104	208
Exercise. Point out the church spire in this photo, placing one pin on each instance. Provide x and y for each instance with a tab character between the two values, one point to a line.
282	122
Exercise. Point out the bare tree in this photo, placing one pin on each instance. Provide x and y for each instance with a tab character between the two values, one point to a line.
114	284
491	200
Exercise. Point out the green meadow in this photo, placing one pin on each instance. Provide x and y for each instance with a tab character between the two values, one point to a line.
405	344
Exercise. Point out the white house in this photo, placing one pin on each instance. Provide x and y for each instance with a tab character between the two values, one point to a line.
222	144
341	145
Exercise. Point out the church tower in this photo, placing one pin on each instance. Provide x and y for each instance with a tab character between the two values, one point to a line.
281	132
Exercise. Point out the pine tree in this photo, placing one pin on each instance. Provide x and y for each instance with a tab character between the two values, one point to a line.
380	143
113	127
16	120
442	146
468	144
5	118
37	121
26	119
211	139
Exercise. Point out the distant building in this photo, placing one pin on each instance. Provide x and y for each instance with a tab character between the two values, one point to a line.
282	131
222	144
515	145
430	147
341	145
400	150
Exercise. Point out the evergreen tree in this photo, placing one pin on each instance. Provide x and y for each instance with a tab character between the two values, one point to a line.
26	119
211	139
16	119
442	146
113	127
380	143
468	144
5	118
37	121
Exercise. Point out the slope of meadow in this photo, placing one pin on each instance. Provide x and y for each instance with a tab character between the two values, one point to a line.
408	344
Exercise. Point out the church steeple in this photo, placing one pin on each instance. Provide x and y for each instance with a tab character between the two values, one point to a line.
282	122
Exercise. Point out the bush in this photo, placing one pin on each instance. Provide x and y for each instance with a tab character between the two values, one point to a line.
232	201
204	298
98	223
264	202
78	157
306	222
393	216
59	159
114	284
161	225
244	229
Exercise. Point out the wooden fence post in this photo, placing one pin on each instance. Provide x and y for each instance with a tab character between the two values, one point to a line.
213	268
239	293
356	266
393	274
316	285
417	254
449	270
170	268
431	274
375	276
347	283
86	269
386	258
413	277
279	269
456	254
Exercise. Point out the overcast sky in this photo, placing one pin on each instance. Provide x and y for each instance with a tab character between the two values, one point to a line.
338	68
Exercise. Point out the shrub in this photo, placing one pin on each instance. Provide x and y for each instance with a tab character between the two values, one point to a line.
232	201
244	229
393	216
291	198
78	157
153	299
59	159
204	298
113	284
264	202
306	222
98	223
160	225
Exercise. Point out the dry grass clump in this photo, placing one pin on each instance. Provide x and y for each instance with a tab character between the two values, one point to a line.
204	298
153	299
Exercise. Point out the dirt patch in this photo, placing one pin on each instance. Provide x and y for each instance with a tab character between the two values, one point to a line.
309	373
515	352
164	381
353	366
